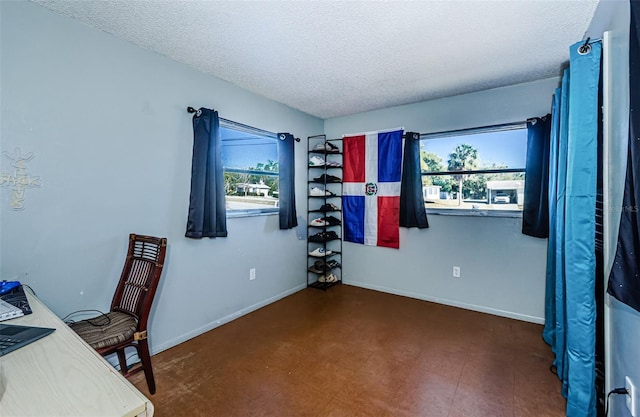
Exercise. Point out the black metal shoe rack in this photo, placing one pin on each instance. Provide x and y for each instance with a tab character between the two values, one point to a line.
324	238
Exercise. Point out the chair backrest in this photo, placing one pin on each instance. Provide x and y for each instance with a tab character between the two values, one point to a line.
140	276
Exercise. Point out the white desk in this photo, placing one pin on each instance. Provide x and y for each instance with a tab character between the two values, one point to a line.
60	375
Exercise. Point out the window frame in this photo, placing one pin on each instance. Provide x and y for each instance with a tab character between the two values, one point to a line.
230	124
474	131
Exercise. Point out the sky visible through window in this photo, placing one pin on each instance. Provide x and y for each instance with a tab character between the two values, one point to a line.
505	149
244	150
250	161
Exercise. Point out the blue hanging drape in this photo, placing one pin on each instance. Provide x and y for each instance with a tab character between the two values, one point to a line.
207	213
624	280
287	195
556	201
570	307
412	210
535	213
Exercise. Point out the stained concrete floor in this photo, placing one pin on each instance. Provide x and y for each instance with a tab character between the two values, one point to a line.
356	352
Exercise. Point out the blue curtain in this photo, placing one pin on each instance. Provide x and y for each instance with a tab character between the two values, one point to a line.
412	211
535	213
207	212
287	195
554	337
570	309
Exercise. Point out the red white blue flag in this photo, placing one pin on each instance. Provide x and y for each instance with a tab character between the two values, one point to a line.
371	188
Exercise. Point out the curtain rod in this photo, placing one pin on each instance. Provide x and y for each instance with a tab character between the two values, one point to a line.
250	128
491	128
413	135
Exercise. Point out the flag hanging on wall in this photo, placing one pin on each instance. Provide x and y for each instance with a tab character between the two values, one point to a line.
371	188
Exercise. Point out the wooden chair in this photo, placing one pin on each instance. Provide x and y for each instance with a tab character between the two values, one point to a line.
126	323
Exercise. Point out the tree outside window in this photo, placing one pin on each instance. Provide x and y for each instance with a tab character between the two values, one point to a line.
476	169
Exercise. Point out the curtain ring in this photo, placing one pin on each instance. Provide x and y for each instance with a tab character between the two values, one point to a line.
192	110
585	48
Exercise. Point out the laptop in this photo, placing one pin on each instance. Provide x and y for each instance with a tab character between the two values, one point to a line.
17	298
9	311
14	337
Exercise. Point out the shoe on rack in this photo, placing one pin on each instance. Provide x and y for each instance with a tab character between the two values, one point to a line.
313	268
319	192
322	265
316	161
318	237
327	278
332	221
320	252
330	235
326	147
332	264
323	237
318	222
329	207
333	164
327	178
322	147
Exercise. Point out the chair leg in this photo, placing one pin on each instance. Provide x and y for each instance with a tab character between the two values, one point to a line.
145	358
122	360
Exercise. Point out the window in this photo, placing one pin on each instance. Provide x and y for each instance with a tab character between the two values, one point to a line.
250	163
475	170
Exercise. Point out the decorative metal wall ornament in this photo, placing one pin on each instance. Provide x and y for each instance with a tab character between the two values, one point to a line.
19	180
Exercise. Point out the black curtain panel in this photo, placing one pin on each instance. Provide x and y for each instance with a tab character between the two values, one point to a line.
412	211
624	279
535	213
287	195
207	212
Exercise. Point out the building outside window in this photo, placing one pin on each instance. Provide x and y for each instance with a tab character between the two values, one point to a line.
474	170
250	160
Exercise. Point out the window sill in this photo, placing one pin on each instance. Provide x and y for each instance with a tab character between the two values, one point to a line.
475	213
251	213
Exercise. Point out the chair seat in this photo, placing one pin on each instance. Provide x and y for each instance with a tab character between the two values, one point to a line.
104	333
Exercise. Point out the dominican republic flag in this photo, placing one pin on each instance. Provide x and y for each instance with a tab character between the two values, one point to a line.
371	188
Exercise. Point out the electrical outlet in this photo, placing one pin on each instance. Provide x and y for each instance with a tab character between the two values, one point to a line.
632	401
456	272
252	274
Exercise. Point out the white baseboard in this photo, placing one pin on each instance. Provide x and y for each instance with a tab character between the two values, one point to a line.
473	307
230	317
226	319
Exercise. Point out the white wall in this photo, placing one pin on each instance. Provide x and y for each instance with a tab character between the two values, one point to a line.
502	270
112	140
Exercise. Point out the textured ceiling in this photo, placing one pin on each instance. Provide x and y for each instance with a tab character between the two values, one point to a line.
330	58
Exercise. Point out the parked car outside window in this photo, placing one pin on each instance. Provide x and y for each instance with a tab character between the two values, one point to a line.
502	198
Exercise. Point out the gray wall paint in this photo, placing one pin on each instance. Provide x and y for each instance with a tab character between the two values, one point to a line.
112	140
502	270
